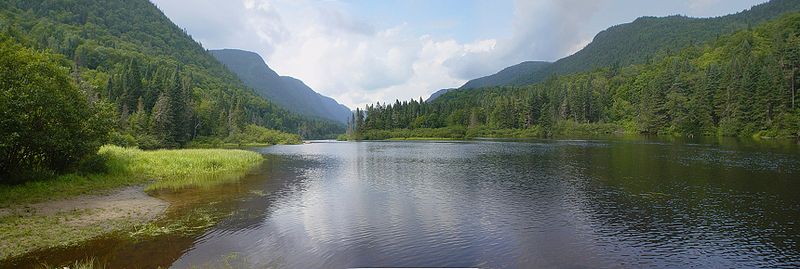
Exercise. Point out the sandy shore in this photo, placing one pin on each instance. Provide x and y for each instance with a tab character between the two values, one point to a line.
24	228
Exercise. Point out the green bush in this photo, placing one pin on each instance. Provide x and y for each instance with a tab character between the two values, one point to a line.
122	140
93	164
254	134
46	123
145	141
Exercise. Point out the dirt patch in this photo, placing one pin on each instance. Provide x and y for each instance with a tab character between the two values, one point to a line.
65	222
124	203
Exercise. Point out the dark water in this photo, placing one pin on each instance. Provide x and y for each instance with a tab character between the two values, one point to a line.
535	204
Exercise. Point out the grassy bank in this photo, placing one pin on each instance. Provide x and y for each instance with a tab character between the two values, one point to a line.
28	223
131	166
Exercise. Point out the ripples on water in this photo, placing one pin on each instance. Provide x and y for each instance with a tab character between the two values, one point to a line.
504	205
537	204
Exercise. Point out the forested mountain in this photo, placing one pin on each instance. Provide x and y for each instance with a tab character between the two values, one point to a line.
437	94
153	85
129	53
641	40
286	91
506	76
742	84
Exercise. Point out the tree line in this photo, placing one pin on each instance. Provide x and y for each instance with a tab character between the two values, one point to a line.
118	72
743	84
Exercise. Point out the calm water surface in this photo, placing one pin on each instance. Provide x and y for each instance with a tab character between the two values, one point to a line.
534	204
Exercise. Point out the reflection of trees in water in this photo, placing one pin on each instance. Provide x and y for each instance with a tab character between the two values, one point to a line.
618	202
664	196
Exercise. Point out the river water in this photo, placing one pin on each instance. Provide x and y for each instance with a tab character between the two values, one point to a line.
617	203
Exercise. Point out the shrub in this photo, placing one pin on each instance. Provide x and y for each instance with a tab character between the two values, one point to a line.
46	123
254	134
93	164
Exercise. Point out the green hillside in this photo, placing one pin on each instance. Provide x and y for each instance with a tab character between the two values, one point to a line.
507	76
149	81
288	92
642	40
128	51
742	84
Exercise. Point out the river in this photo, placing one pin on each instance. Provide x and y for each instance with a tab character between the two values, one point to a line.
612	203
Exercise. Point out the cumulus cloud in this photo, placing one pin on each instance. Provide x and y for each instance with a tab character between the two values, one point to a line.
357	62
542	30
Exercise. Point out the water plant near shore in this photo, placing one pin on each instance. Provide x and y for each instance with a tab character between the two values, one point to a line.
131	166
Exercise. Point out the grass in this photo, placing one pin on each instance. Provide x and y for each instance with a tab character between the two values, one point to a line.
193	221
89	263
232	260
22	231
181	168
21	234
130	166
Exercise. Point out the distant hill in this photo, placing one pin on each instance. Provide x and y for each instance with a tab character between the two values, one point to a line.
165	87
507	75
437	94
742	84
289	92
504	77
637	42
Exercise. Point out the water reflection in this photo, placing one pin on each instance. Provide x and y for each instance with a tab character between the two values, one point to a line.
536	204
569	203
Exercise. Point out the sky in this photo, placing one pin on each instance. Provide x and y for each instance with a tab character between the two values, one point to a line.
366	51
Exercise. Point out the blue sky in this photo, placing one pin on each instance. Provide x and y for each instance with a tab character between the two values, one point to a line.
463	20
360	51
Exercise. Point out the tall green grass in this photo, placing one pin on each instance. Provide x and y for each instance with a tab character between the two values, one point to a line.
180	168
170	169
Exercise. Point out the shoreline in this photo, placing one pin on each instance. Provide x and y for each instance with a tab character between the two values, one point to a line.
59	223
71	208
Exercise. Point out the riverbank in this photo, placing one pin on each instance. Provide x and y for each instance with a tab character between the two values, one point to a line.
567	129
73	208
24	228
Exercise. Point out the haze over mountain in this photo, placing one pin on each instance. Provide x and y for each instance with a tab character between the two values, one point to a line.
289	92
164	87
637	42
360	52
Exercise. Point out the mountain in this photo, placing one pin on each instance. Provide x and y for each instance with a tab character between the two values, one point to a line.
639	41
742	84
437	94
286	91
507	75
165	87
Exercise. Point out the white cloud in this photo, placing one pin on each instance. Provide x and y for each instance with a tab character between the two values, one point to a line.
358	63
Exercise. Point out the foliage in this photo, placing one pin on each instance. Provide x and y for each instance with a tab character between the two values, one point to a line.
254	134
46	123
130	166
454	132
639	42
119	65
163	85
181	168
743	84
506	76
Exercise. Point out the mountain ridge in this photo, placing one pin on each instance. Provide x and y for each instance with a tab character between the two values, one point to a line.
650	36
289	92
